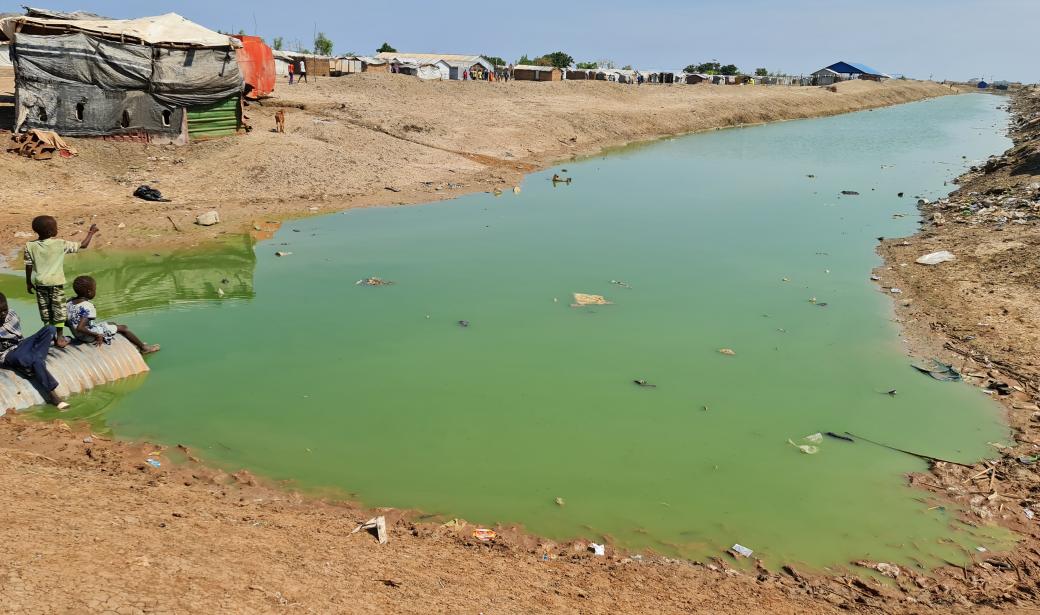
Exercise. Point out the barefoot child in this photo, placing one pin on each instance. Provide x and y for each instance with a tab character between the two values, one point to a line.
83	319
45	271
28	355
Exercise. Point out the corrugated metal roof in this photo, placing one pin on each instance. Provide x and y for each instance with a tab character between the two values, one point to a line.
843	68
533	67
447	57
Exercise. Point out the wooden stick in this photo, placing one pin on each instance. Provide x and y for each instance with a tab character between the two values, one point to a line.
175	227
906	452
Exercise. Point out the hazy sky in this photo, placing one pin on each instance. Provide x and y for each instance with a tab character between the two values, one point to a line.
955	39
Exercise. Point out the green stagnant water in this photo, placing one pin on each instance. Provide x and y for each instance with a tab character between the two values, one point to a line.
299	374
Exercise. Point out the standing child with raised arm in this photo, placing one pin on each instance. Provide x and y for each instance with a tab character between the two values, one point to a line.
45	271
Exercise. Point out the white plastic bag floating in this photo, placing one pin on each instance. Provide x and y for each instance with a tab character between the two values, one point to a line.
808	449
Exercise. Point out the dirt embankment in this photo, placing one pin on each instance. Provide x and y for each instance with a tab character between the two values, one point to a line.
383	139
981	313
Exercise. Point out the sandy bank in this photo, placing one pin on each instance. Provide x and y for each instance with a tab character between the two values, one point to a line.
380	139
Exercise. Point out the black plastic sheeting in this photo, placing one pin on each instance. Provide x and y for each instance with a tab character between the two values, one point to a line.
80	85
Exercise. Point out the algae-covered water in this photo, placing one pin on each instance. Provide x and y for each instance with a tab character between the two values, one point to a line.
297	373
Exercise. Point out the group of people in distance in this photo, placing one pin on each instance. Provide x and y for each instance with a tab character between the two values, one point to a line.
45	278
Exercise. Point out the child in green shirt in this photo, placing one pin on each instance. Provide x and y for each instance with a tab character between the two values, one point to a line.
45	271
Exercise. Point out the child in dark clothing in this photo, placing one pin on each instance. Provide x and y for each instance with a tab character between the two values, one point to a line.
84	324
28	355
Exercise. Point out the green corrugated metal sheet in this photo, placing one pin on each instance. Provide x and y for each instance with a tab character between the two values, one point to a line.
216	120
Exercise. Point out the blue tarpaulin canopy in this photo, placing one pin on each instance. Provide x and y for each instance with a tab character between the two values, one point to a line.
854	68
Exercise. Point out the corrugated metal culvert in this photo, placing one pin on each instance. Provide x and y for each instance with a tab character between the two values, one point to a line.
77	368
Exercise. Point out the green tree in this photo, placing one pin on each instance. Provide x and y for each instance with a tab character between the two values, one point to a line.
707	68
322	44
627	67
729	69
586	65
525	60
495	60
556	59
277	43
242	32
761	72
386	48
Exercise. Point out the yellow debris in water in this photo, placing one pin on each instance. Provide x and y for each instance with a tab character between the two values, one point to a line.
727	351
581	299
516	189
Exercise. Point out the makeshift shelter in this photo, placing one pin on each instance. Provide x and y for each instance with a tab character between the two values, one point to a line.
5	55
693	78
158	78
527	72
845	71
282	61
458	65
256	62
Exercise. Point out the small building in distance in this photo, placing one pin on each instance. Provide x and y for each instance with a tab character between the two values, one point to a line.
528	72
458	66
161	79
694	78
846	71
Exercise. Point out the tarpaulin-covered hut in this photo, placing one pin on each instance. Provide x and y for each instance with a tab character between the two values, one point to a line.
159	78
256	61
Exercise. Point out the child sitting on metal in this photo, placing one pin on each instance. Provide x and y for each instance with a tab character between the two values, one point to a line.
84	324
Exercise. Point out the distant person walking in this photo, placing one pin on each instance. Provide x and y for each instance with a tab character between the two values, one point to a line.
303	72
291	71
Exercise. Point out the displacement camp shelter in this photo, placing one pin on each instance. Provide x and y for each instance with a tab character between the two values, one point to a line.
527	72
256	62
456	65
159	78
846	71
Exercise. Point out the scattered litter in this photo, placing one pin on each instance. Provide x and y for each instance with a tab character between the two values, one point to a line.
375	523
150	194
850	193
392	189
598	549
283	253
1029	514
808	449
889	570
155	463
40	145
1028	461
208	219
463	323
938	370
560	502
935	258
24	234
891	392
900	195
740	549
390	583
620	283
811	176
729	352
644	383
516	189
582	299
785	279
220	292
838	436
895	291
815	438
875	278
373	282
483	534
981	549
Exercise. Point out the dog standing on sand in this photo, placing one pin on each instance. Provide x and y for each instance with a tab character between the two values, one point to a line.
279	120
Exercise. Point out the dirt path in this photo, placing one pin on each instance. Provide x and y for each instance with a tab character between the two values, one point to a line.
367	140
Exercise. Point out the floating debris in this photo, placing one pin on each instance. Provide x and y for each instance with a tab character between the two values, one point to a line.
644	383
939	371
464	323
373	282
582	299
729	352
620	283
283	253
850	193
560	502
740	549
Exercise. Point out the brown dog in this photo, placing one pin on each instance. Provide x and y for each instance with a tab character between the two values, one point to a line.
279	120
